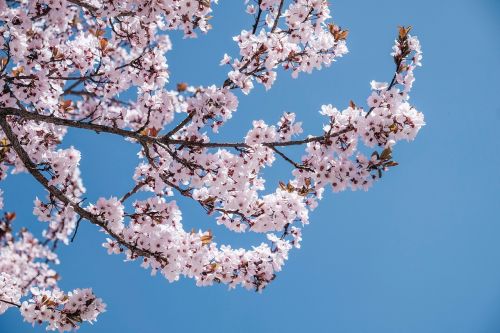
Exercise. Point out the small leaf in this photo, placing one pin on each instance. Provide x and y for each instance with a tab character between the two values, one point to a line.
403	31
205	3
209	200
4	143
394	128
103	42
207	239
386	154
307	181
18	70
342	35
153	132
392	164
56	54
66	105
99	33
182	86
9	216
332	28
212	267
75	317
303	191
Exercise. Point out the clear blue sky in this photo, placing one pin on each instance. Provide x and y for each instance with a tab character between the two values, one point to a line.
419	252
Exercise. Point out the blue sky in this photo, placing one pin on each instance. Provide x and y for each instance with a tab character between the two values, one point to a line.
417	253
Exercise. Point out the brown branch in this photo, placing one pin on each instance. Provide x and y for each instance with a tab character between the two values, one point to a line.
133	191
289	160
71	87
57	193
63	78
11	303
257	19
76	229
75	124
275	24
164	139
179	126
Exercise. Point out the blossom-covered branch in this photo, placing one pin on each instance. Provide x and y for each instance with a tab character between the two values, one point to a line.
101	66
25	275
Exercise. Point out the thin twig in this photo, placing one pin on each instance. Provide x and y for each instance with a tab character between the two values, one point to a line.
289	160
130	193
275	24
11	303
179	126
76	229
257	19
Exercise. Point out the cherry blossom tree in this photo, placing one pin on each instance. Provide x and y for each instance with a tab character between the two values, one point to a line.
66	63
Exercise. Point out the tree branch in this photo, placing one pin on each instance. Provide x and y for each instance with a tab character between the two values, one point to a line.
11	303
164	139
257	19
130	193
278	15
57	193
289	160
179	126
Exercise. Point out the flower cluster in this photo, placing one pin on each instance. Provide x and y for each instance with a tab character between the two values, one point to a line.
24	261
287	127
302	42
187	15
110	211
62	312
210	105
25	275
10	291
156	229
